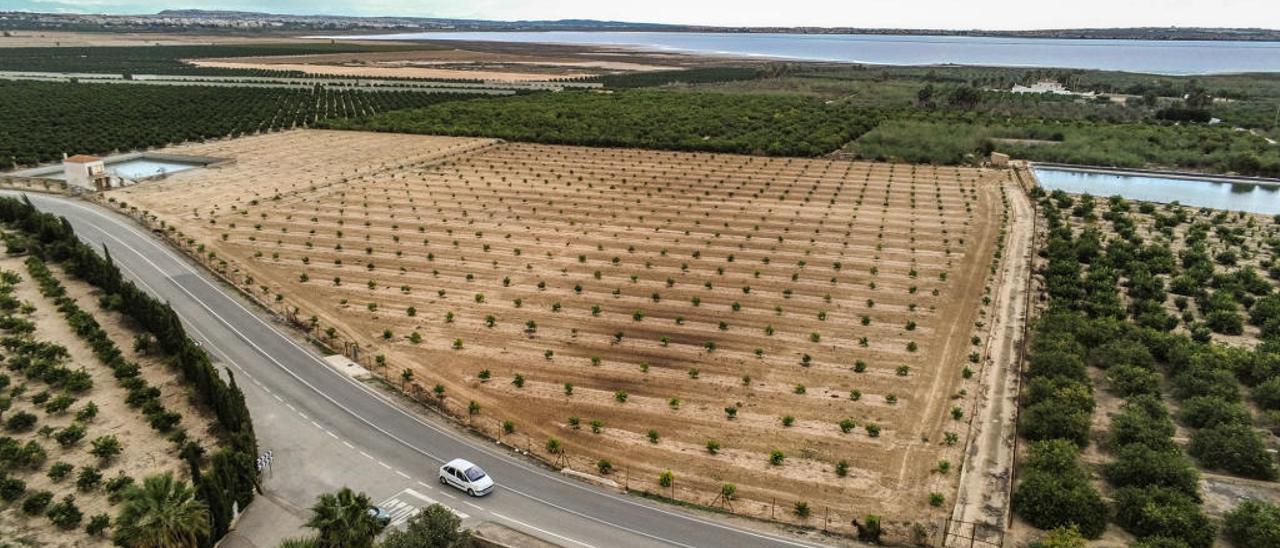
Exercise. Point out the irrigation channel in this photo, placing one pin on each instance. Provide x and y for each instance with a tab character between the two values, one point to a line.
1217	192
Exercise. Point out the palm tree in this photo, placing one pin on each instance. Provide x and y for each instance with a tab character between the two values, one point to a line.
161	513
342	520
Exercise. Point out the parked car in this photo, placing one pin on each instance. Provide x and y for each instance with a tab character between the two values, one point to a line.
379	515
465	476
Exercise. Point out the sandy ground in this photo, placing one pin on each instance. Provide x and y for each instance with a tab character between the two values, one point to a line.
472	232
392	72
144	451
475	61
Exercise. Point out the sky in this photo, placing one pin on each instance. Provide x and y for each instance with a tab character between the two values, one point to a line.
933	14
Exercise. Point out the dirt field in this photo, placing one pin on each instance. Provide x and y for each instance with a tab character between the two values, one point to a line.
145	452
686	283
476	63
365	71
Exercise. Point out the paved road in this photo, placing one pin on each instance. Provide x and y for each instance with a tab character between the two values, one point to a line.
326	430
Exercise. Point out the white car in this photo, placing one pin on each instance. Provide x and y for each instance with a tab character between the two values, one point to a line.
466	477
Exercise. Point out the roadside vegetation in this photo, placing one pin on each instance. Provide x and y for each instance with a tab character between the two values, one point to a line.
342	519
52	400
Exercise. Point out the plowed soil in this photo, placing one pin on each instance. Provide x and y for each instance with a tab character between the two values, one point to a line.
691	282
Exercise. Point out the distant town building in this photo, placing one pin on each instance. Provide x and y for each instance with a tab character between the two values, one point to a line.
86	172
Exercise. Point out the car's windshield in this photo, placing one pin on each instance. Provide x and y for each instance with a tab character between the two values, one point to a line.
474	473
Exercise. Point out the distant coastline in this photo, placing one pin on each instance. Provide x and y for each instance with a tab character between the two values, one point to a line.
254	23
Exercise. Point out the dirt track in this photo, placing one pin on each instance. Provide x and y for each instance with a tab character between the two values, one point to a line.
985	480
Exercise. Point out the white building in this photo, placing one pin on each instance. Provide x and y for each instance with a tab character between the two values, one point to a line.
85	172
1049	86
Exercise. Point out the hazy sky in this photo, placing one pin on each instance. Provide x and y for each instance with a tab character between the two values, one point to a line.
987	14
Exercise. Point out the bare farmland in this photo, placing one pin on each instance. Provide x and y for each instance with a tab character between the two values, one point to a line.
624	301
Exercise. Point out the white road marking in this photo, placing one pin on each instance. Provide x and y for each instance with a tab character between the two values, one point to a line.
384	465
331	434
407	503
317	425
540	530
278	398
366	455
348	444
505	458
402	474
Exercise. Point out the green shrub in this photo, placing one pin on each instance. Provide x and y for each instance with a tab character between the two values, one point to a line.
1236	448
1267	394
1137	465
1206	411
88	478
1047	421
1157	511
1062	537
21	421
1253	524
59	471
11	489
1055	491
1127	381
97	525
1142	420
65	514
36	502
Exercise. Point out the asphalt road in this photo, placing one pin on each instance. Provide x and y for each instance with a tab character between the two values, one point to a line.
326	430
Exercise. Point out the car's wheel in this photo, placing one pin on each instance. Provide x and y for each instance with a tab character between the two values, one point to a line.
471	492
442	482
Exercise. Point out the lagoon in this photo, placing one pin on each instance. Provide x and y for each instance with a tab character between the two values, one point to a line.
1148	56
1208	192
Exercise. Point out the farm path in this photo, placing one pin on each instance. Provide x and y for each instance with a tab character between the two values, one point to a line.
984	481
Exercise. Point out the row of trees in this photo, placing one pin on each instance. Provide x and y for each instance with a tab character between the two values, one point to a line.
763	124
1157	492
950	139
100	118
171	59
1055	491
231	476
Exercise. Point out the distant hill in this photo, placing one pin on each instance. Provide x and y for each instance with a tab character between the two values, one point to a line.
245	21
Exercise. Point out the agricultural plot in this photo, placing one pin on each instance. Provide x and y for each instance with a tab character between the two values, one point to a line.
1171	313
798	328
101	118
77	435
